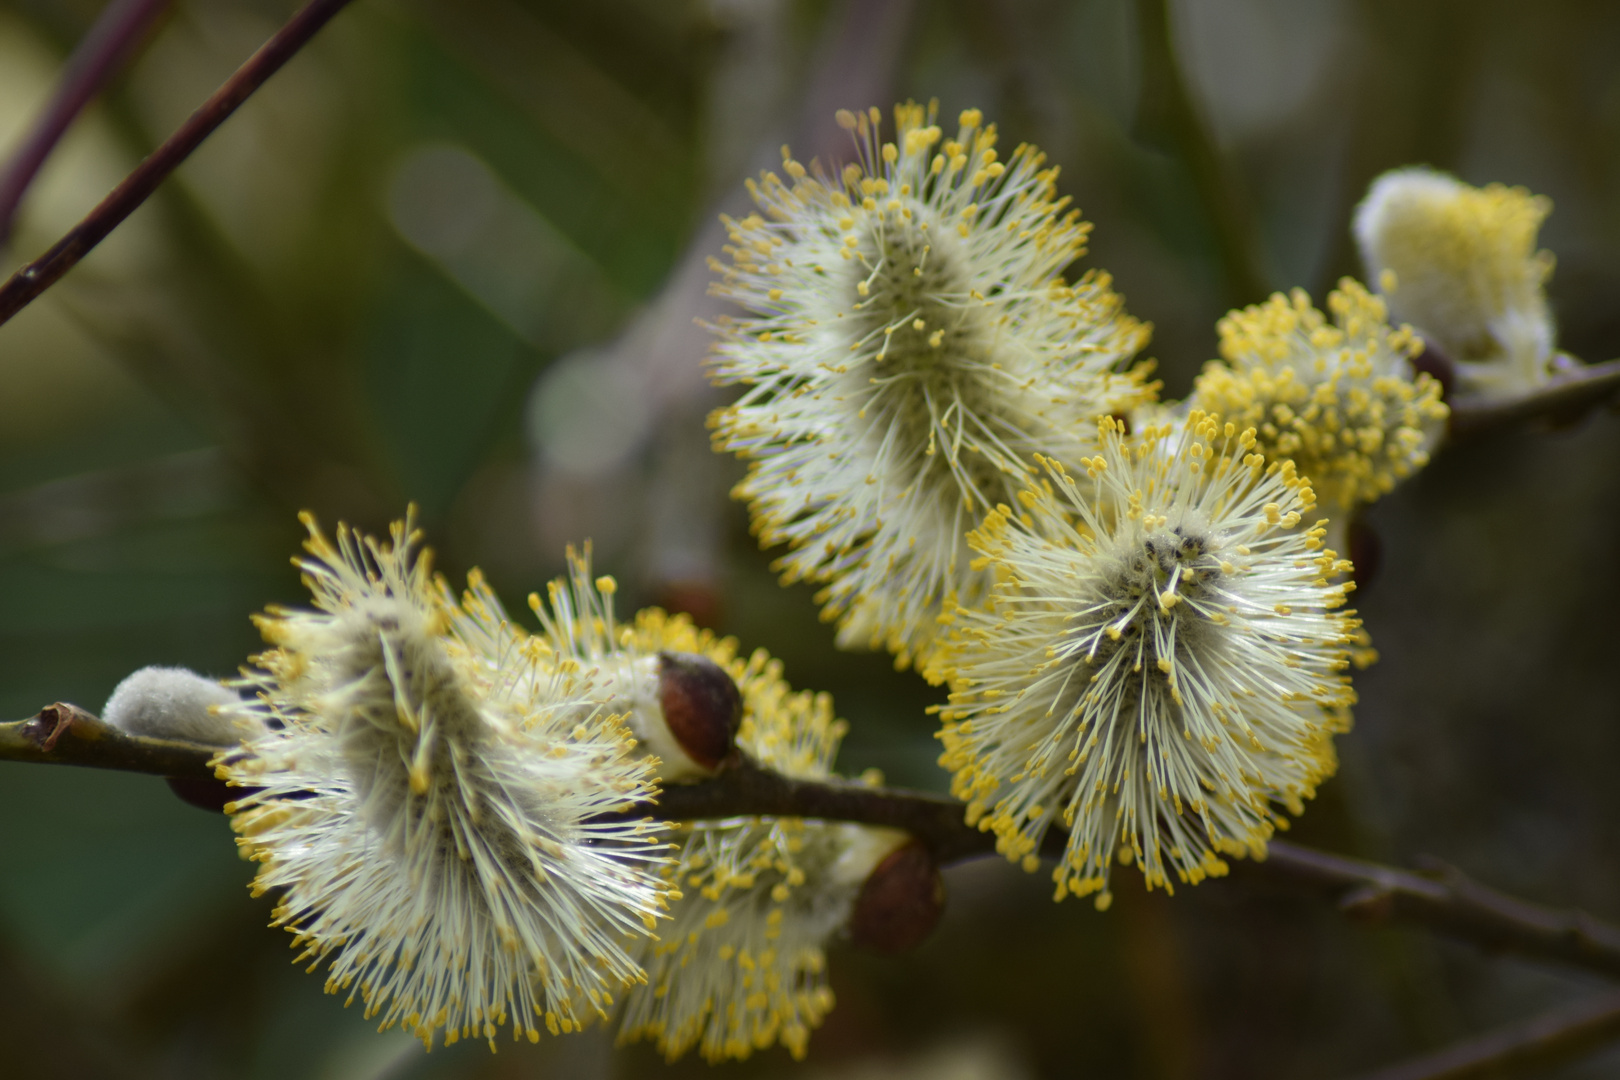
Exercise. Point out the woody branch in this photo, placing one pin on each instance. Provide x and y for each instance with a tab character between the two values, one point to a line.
1442	899
29	282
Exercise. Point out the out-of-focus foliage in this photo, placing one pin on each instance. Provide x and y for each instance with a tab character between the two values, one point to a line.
426	262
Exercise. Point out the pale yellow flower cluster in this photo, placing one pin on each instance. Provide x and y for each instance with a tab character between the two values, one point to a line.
432	807
437	800
742	965
1460	263
910	341
1144	633
1162	664
1339	398
1149	646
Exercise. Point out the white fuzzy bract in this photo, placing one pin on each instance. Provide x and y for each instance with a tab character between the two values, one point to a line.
176	703
1164	659
428	806
910	341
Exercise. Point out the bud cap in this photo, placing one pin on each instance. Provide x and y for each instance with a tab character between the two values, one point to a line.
900	903
701	706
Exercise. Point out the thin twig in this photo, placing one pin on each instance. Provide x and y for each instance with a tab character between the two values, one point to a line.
43	272
1566	395
121	26
1447	900
746	788
1443	899
63	734
1514	1051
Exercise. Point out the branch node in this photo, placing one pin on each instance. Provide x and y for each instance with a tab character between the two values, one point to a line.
50	724
1368	904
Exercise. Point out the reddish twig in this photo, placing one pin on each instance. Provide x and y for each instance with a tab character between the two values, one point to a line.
1443	899
1565	395
122	25
1514	1051
1447	900
745	788
43	272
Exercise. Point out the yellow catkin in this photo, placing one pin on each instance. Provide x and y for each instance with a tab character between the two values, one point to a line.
1336	397
908	339
1460	263
1162	666
739	964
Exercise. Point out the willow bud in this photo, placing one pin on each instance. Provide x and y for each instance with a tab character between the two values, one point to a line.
900	903
174	703
701	711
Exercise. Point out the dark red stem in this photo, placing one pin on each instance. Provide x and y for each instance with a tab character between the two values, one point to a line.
1520	1050
43	272
122	25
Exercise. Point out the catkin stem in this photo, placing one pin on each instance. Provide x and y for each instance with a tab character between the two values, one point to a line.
117	33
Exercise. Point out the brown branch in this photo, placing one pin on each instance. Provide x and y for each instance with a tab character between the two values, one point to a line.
117	31
67	735
1447	900
1513	1051
43	272
1565	396
745	788
1442	899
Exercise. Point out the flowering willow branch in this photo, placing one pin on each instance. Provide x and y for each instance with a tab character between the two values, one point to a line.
1563	395
119	28
1533	1045
27	283
1443	899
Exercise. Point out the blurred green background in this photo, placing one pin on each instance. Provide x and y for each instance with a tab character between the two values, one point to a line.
453	254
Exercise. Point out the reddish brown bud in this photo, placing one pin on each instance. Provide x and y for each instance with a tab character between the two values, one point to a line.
1366	552
1438	366
204	792
900	902
701	706
697	598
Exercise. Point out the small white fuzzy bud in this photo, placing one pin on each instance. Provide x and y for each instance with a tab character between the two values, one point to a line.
173	703
1460	264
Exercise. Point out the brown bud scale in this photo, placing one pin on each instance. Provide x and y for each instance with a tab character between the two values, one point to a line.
701	704
900	902
204	792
